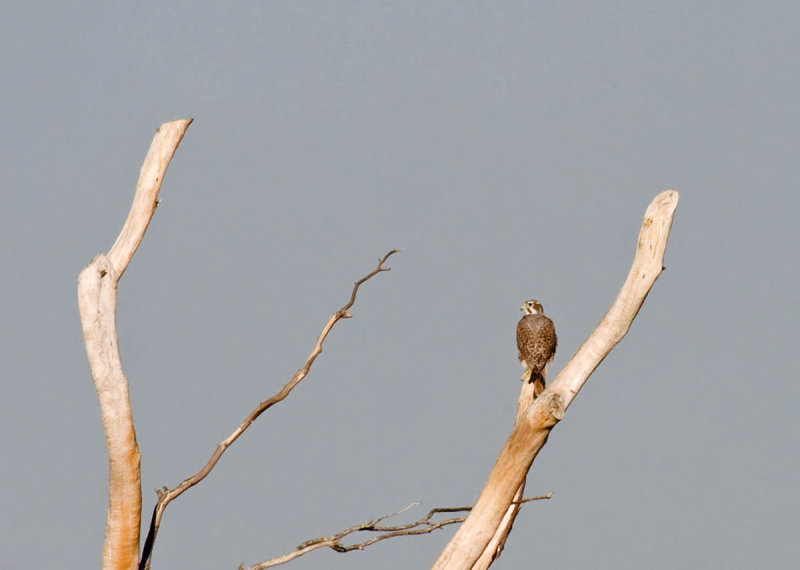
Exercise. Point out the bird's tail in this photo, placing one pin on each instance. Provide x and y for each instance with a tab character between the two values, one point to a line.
537	379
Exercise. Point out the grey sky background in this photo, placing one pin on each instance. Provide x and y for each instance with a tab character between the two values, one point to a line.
510	150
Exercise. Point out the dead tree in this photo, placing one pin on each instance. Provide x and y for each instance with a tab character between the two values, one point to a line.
482	535
97	302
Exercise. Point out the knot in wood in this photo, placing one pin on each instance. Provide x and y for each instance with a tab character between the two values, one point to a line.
547	410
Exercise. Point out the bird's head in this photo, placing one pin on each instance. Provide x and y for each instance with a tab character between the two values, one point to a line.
532	307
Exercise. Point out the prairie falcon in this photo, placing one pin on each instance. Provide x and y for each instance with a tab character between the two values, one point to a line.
536	341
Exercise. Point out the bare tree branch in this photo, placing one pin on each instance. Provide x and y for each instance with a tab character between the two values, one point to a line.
97	301
537	419
498	541
334	542
165	495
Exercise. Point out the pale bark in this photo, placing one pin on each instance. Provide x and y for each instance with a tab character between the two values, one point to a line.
498	541
483	534
472	541
97	299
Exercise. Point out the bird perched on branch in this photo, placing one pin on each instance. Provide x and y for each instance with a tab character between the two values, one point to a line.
536	341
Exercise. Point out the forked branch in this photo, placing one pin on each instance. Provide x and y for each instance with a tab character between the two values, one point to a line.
97	301
334	542
535	420
166	496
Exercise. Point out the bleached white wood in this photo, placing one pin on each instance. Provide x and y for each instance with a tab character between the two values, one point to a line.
97	301
473	541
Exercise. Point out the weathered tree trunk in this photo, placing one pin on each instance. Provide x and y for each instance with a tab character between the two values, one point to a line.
482	535
473	541
97	301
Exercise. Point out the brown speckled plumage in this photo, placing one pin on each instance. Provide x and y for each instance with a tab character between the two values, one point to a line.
536	341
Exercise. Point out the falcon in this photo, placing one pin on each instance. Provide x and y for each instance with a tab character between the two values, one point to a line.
536	341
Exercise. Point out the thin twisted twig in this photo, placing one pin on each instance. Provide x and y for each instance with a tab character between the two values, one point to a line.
166	495
334	542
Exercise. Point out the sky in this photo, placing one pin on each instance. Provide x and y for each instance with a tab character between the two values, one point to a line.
510	150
